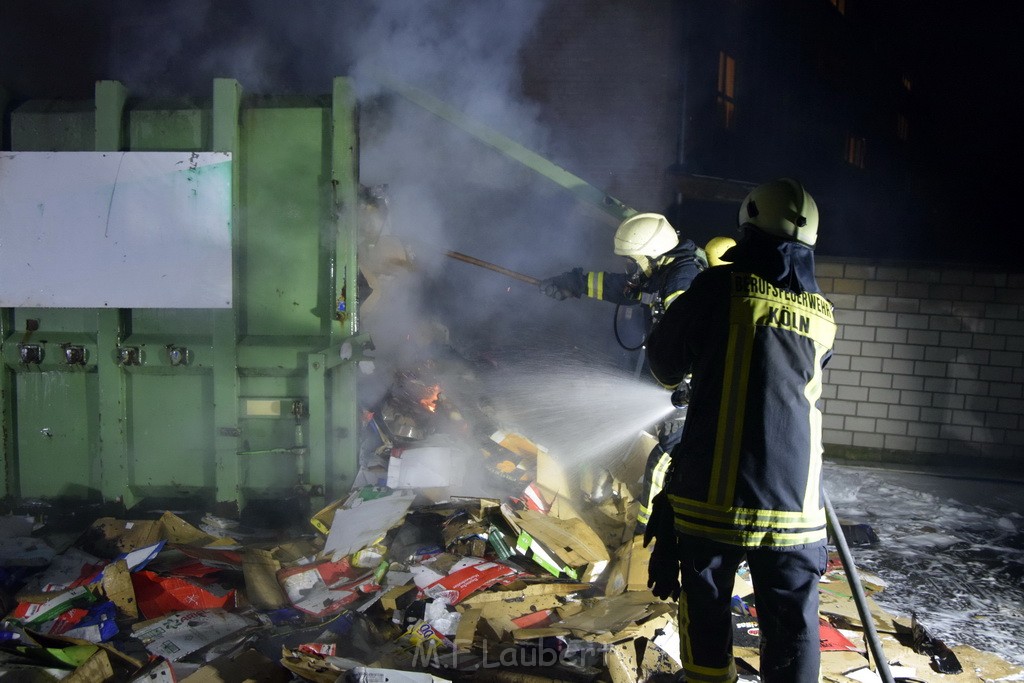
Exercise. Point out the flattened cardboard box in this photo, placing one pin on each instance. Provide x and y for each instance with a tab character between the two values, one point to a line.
570	541
628	571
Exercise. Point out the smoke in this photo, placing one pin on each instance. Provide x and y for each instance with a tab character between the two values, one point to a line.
448	191
445	189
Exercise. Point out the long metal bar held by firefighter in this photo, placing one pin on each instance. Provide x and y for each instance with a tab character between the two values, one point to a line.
581	189
491	266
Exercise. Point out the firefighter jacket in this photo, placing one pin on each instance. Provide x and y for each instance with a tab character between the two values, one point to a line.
755	334
674	273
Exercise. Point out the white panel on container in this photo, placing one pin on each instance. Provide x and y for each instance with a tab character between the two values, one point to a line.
115	229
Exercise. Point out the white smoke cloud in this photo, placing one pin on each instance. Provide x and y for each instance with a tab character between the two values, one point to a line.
447	190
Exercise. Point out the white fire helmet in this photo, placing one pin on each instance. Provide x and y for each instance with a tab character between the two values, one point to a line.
645	234
782	208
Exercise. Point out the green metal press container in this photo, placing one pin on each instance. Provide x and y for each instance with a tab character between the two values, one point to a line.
253	398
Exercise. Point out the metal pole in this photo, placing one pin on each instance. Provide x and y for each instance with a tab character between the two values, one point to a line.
490	266
870	634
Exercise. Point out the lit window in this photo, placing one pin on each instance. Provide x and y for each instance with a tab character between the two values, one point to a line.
839	5
855	151
902	127
726	89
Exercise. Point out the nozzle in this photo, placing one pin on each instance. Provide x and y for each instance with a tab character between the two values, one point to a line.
681	396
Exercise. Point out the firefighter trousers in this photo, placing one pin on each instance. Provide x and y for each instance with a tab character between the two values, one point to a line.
786	601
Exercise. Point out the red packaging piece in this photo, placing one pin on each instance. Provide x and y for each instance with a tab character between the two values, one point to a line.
462	583
159	595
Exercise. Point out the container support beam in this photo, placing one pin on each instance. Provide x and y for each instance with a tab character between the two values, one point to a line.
8	460
585	193
227	102
342	445
114	456
5	98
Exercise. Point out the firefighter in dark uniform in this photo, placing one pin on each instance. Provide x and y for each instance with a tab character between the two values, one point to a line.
746	481
670	431
659	267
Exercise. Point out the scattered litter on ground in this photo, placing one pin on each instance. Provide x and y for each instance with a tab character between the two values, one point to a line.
507	567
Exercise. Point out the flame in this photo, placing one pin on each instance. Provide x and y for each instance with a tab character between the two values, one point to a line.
430	401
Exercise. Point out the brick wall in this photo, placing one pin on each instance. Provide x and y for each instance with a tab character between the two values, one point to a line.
928	365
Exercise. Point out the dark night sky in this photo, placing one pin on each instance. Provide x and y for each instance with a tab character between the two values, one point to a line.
967	80
966	69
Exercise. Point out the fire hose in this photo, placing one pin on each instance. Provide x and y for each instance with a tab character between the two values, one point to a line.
870	634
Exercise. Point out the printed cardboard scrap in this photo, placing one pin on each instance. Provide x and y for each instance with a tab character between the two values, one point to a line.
311	667
73	567
471	576
58	602
569	542
96	624
832	640
179	634
363	674
511	458
326	587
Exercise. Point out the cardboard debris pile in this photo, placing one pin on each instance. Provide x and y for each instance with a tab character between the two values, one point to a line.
408	577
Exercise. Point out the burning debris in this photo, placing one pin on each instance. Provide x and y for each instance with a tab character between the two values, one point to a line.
465	551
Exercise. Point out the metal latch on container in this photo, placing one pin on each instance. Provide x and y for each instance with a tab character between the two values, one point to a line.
74	354
178	355
30	354
129	355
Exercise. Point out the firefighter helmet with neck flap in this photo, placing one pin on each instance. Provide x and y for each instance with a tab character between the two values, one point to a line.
644	237
781	208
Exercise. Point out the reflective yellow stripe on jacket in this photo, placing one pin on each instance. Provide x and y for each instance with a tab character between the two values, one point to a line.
806	320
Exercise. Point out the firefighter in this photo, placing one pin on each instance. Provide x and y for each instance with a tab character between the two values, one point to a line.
670	431
659	267
746	476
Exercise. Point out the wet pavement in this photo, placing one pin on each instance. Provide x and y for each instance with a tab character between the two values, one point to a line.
951	549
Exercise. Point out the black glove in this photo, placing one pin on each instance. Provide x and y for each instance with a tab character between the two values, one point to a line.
663	569
569	284
670	430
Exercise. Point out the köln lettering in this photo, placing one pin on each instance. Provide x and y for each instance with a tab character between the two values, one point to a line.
784	317
749	285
